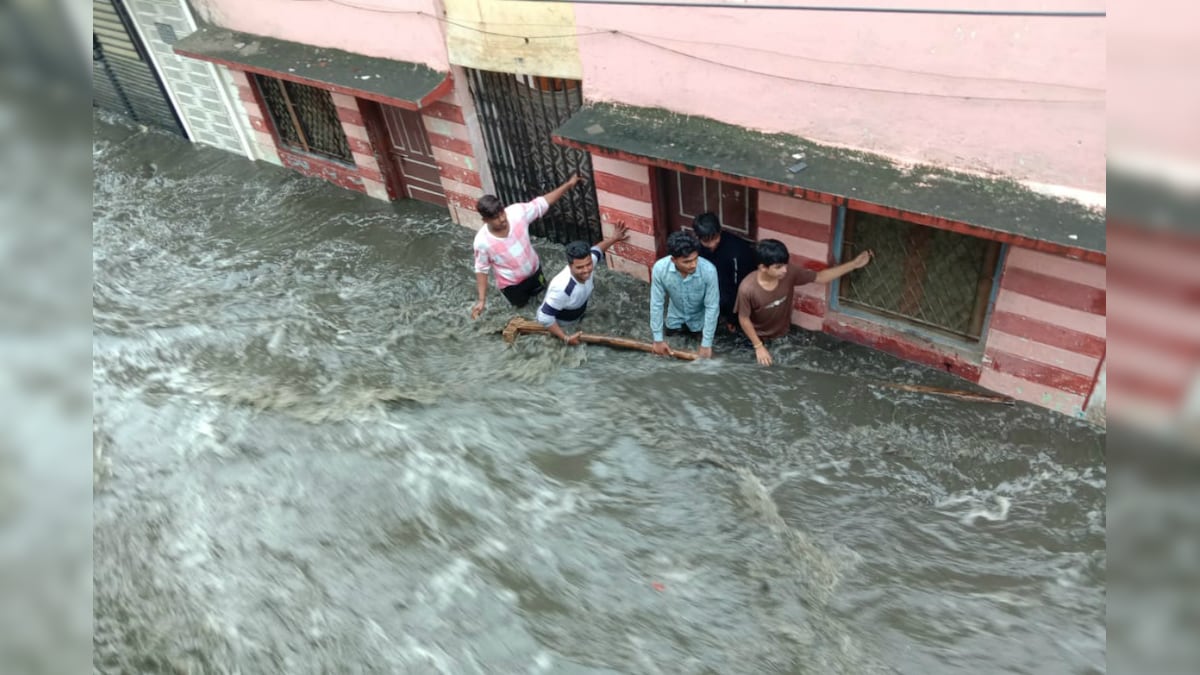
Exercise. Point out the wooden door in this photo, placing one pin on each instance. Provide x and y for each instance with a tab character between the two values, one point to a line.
408	150
687	196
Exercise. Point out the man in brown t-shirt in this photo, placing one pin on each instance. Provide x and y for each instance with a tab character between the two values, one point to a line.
765	297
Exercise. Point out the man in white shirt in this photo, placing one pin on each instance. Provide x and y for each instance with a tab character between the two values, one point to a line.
567	297
502	247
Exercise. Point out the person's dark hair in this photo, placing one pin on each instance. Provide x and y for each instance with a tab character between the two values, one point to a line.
706	225
489	206
578	250
682	244
771	252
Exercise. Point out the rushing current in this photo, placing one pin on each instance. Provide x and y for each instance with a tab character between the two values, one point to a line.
309	459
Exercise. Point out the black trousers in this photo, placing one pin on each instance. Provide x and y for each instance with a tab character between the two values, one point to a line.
519	295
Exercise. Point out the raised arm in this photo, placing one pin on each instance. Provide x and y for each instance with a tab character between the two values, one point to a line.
827	275
619	234
557	193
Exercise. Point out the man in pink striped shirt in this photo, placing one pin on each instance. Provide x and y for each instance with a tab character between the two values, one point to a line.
502	247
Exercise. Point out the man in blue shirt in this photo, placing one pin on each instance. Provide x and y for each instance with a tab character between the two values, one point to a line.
691	286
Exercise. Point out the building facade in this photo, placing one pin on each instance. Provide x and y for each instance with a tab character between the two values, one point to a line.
967	151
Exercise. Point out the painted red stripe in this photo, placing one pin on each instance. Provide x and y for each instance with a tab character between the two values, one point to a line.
1162	283
1041	373
246	94
619	185
794	226
634	253
1055	290
1136	385
1132	332
370	174
807	263
636	223
1047	333
810	305
908	349
259	124
460	174
462	201
334	172
444	111
448	143
350	116
360	146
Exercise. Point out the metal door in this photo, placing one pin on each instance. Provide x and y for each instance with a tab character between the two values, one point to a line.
518	114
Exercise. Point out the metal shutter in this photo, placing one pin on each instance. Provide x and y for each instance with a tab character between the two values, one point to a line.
123	79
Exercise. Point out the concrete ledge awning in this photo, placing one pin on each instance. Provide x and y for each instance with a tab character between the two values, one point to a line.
994	208
397	83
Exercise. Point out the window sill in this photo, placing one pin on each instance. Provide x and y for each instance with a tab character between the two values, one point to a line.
314	156
906	341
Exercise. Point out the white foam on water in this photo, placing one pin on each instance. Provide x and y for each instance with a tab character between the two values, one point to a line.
545	506
985	506
414	653
994	515
639	651
542	662
455	578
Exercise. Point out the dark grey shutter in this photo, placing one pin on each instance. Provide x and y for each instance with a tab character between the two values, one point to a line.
123	79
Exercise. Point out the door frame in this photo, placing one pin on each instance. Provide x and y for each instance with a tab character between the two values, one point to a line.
664	212
377	133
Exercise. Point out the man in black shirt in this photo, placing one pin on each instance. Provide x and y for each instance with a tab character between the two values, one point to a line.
731	255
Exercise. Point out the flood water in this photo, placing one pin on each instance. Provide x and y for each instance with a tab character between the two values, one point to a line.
309	459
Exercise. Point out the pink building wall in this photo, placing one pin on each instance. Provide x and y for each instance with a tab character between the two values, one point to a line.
407	31
1046	339
664	57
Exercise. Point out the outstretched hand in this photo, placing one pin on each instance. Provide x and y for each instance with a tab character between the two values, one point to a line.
478	309
862	259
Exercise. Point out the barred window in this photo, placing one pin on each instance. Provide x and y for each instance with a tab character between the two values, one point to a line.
305	118
926	276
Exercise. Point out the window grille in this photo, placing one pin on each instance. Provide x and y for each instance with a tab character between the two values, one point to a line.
305	118
923	275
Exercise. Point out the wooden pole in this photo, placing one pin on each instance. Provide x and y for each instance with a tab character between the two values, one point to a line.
518	326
